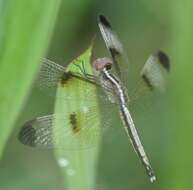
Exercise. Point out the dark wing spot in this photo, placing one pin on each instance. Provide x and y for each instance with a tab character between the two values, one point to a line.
27	134
104	21
114	52
65	77
147	81
74	123
164	60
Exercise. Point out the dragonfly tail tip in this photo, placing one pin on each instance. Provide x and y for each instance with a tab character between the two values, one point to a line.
152	179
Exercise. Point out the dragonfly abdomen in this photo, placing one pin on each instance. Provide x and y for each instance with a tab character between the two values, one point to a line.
135	141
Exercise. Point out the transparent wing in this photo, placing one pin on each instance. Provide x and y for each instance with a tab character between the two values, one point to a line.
49	76
155	71
115	47
80	130
153	74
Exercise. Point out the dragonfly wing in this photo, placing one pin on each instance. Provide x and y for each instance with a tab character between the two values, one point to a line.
80	130
50	75
114	46
153	75
155	70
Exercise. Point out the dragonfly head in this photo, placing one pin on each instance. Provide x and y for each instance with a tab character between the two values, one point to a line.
101	63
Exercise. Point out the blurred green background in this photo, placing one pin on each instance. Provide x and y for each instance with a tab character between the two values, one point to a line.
165	124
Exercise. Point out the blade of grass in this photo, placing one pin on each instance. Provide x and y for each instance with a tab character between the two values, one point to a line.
79	166
25	27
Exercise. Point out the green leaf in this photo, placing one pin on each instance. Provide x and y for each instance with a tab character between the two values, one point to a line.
25	27
79	100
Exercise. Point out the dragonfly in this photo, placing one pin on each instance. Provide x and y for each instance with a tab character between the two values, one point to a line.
110	77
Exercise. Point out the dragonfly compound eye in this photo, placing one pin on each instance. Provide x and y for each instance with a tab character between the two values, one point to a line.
101	63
